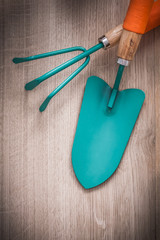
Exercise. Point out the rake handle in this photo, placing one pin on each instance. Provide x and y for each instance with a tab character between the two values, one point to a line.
113	36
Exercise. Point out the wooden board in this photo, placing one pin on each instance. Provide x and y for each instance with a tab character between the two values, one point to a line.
40	196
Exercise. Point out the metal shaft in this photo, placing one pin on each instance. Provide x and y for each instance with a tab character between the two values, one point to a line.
69	62
116	86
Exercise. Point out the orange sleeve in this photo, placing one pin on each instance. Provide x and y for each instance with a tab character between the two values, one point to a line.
154	18
138	15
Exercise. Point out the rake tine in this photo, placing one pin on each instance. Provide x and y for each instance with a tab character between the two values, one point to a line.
37	81
63	84
48	54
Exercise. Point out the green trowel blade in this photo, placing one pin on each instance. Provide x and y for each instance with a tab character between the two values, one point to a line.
102	133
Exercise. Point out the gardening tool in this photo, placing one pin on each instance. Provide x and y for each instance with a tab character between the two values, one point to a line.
110	39
107	115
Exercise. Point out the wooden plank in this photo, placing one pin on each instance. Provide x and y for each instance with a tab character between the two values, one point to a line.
157	127
40	195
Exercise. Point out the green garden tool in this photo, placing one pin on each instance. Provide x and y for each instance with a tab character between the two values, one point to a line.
107	116
102	132
110	39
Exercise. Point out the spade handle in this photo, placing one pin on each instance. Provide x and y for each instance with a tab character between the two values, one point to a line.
134	26
128	44
130	37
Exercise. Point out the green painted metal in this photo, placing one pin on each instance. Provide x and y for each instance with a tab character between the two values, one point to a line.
37	81
48	54
106	119
64	83
102	132
32	84
116	86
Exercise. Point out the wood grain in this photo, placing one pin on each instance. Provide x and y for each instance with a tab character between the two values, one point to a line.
113	35
40	196
128	45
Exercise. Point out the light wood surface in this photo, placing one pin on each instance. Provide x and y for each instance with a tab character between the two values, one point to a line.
40	196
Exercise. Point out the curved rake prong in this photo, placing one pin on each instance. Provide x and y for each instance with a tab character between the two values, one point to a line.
37	81
32	84
63	84
48	54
